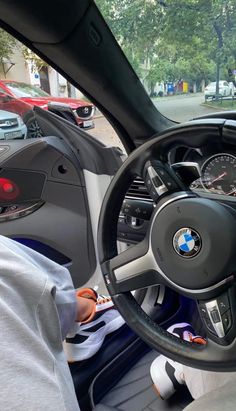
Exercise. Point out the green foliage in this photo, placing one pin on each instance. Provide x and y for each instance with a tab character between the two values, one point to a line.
135	24
167	40
7	44
36	60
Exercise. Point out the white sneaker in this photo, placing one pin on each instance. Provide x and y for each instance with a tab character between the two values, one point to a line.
167	375
89	336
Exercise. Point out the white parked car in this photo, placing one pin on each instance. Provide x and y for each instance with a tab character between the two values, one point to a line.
11	126
225	89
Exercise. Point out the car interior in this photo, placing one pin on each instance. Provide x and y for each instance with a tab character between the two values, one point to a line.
115	218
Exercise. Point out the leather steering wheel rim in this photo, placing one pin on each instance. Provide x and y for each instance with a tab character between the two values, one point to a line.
212	356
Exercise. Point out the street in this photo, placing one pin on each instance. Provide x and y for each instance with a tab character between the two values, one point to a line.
183	107
178	108
104	132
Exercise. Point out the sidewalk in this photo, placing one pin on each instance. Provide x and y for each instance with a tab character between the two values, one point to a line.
226	103
97	113
177	96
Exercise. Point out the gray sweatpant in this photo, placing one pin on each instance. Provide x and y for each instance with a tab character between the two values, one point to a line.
202	382
37	309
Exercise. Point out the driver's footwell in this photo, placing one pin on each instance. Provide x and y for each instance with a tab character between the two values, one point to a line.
135	392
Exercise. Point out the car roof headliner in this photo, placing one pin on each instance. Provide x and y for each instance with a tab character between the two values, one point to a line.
74	38
43	21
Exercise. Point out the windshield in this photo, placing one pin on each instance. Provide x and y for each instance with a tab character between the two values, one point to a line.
177	48
25	90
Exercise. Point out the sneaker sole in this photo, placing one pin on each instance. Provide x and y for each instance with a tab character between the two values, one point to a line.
81	352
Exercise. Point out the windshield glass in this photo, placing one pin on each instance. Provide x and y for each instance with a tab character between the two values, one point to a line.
25	90
177	48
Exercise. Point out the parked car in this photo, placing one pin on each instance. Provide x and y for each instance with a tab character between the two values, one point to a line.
11	126
83	111
225	89
24	110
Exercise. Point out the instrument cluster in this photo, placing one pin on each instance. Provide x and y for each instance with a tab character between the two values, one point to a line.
217	175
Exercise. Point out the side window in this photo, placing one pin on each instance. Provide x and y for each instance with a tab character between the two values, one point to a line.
27	81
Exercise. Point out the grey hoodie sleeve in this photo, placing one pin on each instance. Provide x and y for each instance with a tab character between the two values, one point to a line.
58	279
37	305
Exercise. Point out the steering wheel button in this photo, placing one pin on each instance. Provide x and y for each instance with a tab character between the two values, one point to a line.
166	178
157	182
223	303
226	320
154	194
215	316
148	181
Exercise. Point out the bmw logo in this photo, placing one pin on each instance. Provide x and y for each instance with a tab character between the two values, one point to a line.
187	242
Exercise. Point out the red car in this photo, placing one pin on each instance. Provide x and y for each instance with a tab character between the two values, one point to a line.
25	110
82	111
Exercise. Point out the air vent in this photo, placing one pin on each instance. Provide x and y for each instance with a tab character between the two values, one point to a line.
138	190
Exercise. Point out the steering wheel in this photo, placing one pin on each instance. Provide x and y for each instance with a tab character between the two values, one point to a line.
189	247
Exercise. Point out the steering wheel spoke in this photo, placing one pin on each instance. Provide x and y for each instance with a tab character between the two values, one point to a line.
218	317
132	269
161	180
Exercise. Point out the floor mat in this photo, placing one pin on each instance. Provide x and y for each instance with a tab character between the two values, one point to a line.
134	392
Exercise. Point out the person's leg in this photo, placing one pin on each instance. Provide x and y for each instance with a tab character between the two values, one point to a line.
167	375
201	382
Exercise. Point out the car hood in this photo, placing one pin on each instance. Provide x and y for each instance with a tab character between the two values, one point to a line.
43	101
7	115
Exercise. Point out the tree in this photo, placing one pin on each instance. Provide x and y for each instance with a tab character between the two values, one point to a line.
213	22
175	38
136	25
35	60
7	45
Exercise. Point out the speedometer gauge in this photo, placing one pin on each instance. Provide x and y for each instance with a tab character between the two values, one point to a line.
219	174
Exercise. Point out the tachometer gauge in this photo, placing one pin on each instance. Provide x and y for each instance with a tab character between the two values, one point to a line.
219	174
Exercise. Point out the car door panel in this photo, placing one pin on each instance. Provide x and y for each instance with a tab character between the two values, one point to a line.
49	209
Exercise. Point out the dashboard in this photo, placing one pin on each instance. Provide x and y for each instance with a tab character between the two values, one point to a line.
209	171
